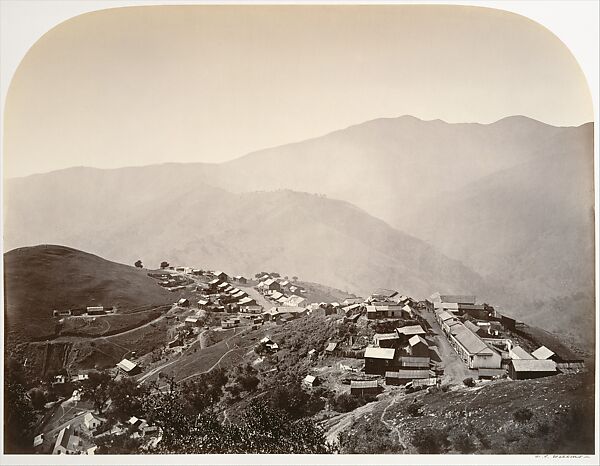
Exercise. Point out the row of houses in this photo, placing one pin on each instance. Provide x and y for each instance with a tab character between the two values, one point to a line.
478	352
275	287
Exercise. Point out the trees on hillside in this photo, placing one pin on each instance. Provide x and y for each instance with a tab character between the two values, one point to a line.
164	264
97	389
127	397
138	263
18	418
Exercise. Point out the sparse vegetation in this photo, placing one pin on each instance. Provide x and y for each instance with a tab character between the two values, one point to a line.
523	415
469	382
431	440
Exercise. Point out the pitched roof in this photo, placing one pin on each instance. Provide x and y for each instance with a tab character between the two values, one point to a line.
379	353
384	292
331	347
415	340
520	353
472	327
351	307
457	298
410	330
246	300
309	379
277	295
414	361
409	374
534	365
543	353
64	437
363	384
88	417
295	300
471	342
445	315
386	336
126	365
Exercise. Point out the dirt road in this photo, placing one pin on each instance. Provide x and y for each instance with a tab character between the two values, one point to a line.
455	370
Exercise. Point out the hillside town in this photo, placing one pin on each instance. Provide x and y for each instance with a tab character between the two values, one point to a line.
386	342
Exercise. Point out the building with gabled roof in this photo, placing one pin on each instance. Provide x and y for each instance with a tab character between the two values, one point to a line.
310	381
91	421
473	350
272	285
520	369
409	330
386	340
418	346
67	443
128	367
403	376
414	362
295	301
331	347
364	387
378	360
516	352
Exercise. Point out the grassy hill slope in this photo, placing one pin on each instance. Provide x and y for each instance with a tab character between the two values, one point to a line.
43	278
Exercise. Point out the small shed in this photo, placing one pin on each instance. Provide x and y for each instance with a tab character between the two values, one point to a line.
331	347
364	387
310	381
128	367
91	421
183	302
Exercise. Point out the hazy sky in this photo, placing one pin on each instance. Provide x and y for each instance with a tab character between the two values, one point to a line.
144	85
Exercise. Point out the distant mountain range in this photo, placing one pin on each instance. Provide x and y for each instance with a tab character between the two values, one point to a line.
504	210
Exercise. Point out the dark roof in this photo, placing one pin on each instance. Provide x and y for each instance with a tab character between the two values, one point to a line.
363	384
66	433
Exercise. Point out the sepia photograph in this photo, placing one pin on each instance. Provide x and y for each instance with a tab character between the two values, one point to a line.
291	229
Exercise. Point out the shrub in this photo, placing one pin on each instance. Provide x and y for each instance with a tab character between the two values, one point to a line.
346	402
469	382
523	415
462	442
430	440
414	409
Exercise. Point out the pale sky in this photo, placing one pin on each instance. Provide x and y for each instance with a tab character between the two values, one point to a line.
145	85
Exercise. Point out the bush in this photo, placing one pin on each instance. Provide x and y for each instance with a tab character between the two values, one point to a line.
523	415
430	440
462	442
345	402
414	409
469	382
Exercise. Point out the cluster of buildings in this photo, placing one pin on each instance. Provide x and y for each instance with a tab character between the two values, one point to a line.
220	295
84	311
281	291
77	438
385	303
478	335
